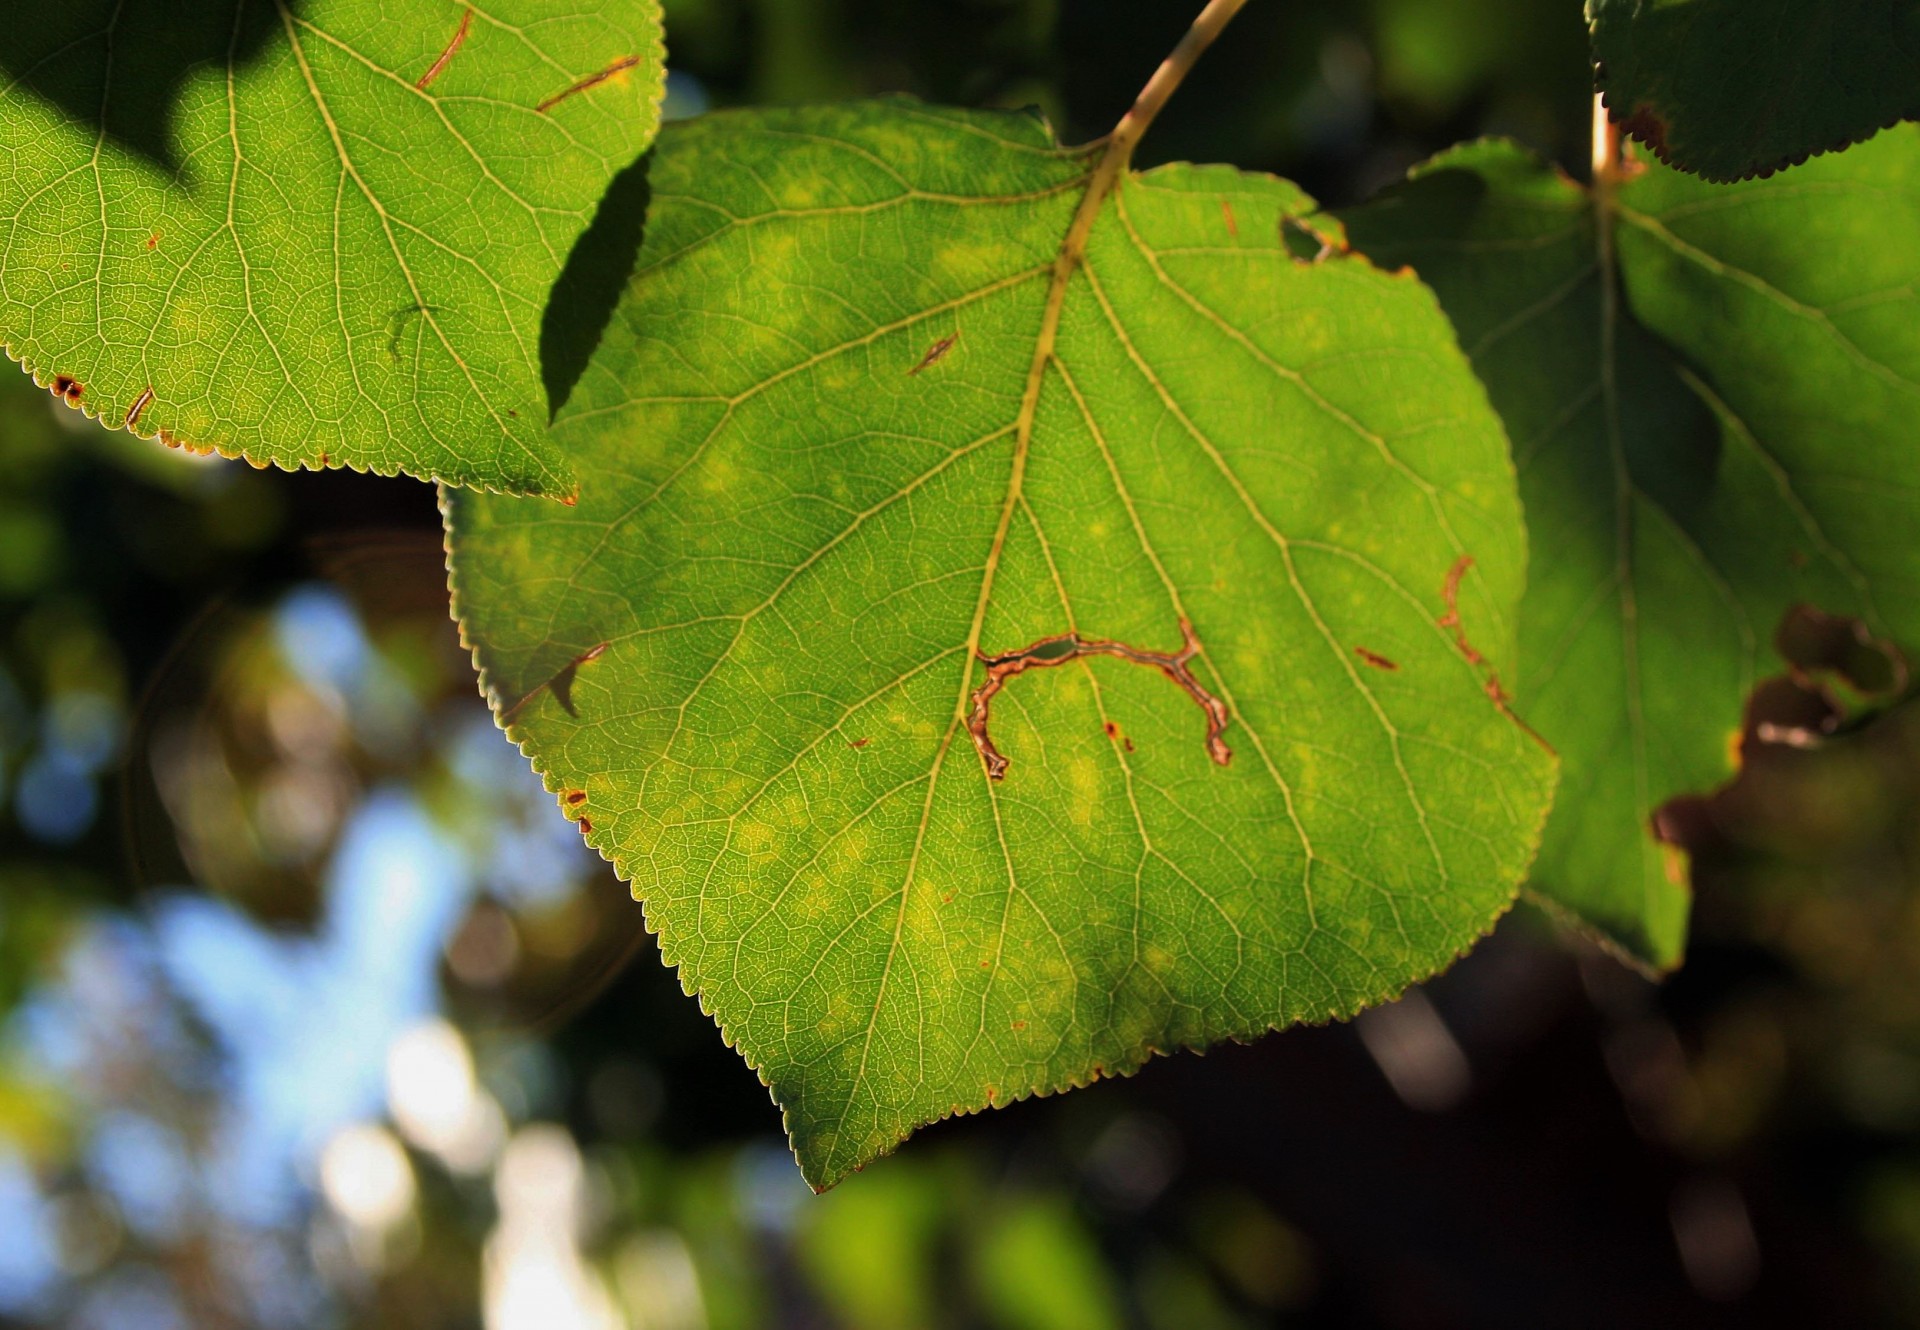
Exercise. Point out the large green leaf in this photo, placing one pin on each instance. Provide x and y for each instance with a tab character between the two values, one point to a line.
1735	88
861	420
312	234
1713	427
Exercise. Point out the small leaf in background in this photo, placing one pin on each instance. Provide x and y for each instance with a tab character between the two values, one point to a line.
1729	89
312	234
1213	539
1723	433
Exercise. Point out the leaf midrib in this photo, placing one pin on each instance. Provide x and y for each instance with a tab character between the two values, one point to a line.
1067	260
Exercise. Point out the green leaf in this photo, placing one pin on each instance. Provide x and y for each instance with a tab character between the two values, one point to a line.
835	448
1720	435
312	234
1729	89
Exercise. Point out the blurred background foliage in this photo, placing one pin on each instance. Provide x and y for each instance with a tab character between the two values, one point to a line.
313	1012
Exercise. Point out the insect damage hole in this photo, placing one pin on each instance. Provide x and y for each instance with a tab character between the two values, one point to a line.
1176	665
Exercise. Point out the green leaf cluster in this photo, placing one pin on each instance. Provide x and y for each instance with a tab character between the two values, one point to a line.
1010	614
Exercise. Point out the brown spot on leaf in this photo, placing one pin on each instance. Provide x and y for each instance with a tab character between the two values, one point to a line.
576	796
1673	865
446	56
1059	650
860	743
153	241
586	827
1375	659
140	404
67	388
1306	245
1450	595
1646	125
935	353
1113	731
1233	227
1019	1025
594	80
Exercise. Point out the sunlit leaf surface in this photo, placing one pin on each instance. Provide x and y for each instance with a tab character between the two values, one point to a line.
312	233
852	432
1714	420
1734	88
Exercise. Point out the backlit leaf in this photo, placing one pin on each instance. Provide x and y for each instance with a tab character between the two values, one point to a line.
1723	433
311	233
835	449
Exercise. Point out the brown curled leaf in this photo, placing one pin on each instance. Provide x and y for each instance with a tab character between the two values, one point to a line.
1071	646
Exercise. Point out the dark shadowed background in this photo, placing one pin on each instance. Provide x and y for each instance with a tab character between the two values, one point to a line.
314	1012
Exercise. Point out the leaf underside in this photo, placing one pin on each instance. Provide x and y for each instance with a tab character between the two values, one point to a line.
1738	440
1729	89
829	462
247	228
